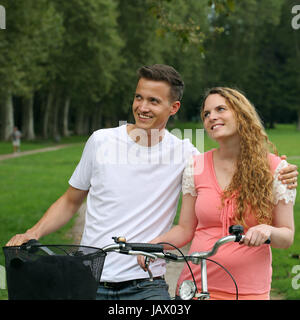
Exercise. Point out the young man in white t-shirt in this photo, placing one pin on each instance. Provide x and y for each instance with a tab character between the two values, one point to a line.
131	176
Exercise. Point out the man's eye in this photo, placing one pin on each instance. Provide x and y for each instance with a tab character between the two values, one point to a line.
154	101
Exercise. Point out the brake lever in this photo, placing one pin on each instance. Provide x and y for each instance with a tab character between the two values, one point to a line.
147	262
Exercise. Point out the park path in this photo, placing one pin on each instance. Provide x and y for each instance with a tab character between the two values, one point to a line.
25	153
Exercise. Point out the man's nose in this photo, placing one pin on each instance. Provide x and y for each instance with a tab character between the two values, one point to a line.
144	106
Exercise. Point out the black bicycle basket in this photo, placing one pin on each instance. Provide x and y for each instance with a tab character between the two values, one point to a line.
53	272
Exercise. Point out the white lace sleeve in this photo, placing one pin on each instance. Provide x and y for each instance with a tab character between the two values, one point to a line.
188	185
280	190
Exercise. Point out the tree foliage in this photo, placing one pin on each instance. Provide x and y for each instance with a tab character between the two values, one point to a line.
70	66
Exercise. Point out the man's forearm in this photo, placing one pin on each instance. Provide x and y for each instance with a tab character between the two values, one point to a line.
55	217
60	212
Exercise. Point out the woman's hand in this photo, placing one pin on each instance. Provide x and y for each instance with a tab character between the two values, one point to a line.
257	235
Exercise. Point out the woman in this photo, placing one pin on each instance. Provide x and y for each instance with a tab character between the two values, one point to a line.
237	183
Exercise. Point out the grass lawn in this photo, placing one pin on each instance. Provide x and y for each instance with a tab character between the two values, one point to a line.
6	146
30	184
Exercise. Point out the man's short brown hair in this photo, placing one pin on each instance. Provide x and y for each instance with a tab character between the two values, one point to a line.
162	72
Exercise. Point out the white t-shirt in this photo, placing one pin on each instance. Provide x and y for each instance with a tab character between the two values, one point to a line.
133	192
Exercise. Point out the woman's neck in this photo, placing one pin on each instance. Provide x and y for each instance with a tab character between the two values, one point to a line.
228	150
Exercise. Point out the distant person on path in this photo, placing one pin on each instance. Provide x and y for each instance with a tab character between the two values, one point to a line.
16	139
131	176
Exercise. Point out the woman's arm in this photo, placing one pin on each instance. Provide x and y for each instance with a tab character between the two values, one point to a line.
281	232
182	233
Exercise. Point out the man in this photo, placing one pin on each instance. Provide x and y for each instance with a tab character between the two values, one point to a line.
131	176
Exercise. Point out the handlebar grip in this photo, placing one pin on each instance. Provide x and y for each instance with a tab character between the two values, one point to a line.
146	247
268	241
31	245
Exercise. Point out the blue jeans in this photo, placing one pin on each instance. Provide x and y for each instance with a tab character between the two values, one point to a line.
136	290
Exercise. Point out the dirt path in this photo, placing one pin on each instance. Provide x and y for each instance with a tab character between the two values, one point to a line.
173	269
25	153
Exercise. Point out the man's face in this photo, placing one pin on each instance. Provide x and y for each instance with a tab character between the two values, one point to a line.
152	106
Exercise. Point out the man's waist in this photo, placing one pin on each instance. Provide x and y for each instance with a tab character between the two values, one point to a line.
123	284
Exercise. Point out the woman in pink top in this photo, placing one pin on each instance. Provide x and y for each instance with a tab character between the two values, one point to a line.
236	183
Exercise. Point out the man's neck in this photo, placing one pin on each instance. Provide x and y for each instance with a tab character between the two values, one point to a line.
143	137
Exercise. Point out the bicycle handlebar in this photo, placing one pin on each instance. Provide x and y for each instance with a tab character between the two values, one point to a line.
154	251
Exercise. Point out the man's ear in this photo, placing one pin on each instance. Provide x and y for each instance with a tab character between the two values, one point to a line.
175	107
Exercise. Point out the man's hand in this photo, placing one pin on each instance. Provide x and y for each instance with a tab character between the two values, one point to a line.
19	239
289	175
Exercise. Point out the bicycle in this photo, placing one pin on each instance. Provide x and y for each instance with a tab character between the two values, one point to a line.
80	267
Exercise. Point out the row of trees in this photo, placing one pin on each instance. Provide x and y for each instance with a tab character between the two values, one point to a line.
70	66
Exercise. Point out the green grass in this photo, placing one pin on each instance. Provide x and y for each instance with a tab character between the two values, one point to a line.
30	184
6	146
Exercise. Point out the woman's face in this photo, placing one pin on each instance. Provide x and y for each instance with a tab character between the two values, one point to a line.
219	120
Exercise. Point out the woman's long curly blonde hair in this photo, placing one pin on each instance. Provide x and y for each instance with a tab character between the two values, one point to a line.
252	180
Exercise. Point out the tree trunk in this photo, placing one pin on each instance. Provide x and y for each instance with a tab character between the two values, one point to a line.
96	120
55	134
65	124
298	122
7	117
28	120
46	115
79	122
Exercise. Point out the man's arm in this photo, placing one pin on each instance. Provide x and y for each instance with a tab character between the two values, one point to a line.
60	212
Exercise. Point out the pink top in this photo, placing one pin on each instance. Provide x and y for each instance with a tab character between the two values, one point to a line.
250	266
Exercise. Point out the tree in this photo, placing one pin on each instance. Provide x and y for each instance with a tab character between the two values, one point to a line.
25	48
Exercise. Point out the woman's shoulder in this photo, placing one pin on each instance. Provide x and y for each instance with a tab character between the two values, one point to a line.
274	161
203	155
202	160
